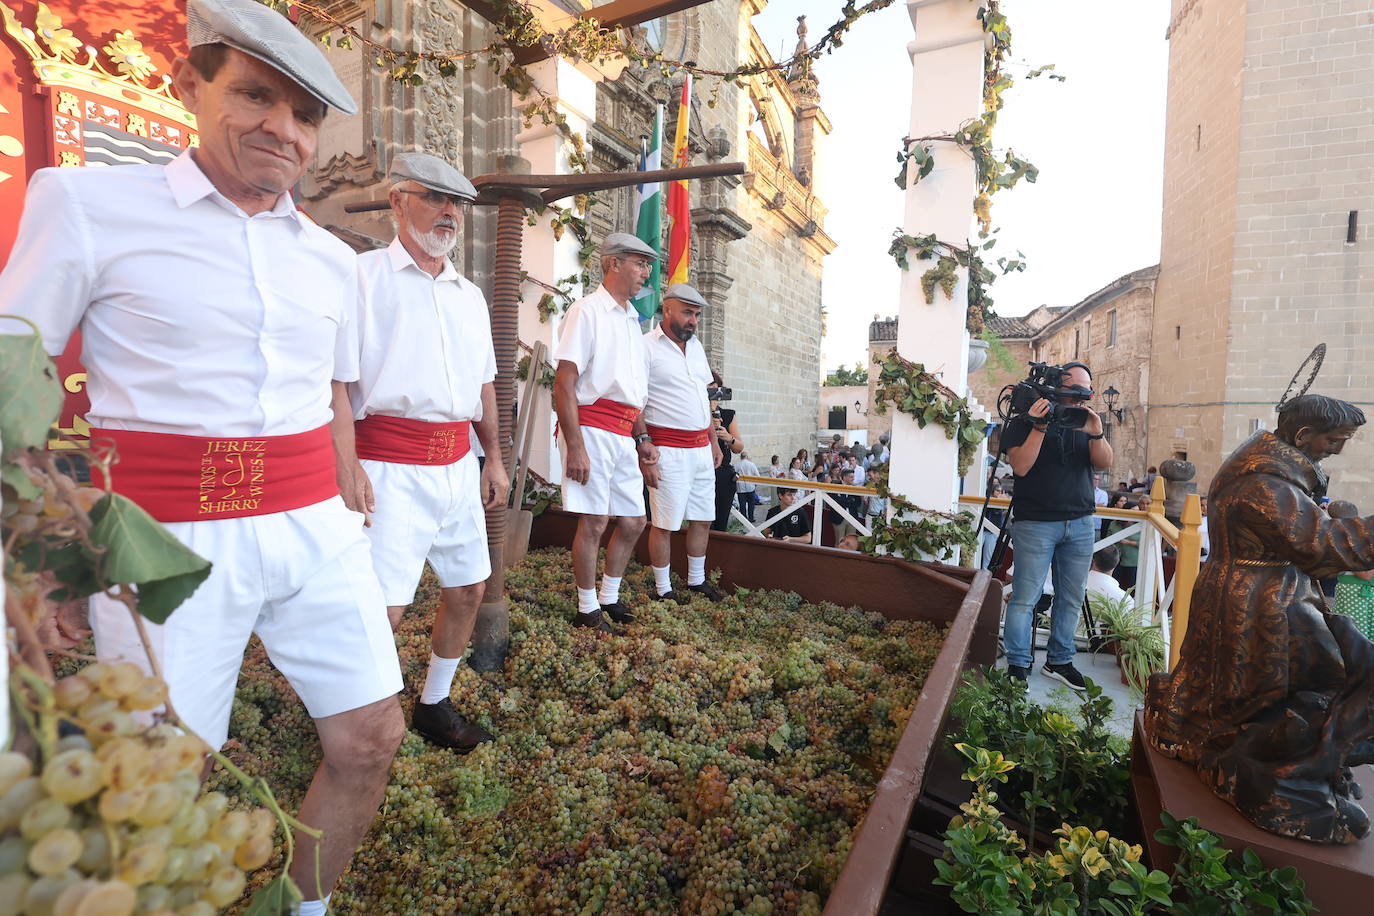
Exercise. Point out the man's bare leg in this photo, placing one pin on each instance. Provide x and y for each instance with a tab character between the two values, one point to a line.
456	618
347	790
586	546
623	540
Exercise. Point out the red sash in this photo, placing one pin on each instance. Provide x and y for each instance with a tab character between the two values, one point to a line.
680	438
611	416
403	441
197	478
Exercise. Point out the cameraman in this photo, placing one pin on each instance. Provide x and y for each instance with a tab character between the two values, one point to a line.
1052	523
726	431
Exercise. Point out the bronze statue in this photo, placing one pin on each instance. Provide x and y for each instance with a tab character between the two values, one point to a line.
1271	698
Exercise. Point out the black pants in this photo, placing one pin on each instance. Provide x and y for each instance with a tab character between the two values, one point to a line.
725	497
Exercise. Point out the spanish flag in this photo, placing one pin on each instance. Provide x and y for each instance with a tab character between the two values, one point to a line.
679	209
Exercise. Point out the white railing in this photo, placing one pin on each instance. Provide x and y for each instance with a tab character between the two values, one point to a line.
810	493
1150	599
1154	533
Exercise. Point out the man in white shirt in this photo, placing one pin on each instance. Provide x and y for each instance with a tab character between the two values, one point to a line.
677	416
1101	584
860	475
1099	500
599	391
219	332
745	490
425	384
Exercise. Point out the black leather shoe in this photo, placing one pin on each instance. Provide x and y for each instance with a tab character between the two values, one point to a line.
673	595
594	620
707	589
618	613
439	723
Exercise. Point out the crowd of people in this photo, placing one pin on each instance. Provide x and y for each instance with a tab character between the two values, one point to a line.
834	463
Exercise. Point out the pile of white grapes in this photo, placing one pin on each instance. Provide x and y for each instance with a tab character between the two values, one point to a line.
112	821
708	759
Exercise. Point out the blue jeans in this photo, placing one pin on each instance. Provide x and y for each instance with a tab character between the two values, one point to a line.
1065	547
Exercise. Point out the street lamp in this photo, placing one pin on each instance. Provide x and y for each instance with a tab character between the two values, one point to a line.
1110	396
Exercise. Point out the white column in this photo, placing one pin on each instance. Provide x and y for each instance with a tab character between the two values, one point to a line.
946	91
543	257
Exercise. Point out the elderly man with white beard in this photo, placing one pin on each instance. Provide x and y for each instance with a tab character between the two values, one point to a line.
426	369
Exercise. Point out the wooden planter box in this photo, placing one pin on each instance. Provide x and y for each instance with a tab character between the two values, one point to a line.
889	866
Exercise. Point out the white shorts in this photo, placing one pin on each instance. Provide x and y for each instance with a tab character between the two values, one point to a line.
427	512
615	486
686	487
302	580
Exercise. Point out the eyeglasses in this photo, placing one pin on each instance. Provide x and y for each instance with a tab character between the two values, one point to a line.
437	199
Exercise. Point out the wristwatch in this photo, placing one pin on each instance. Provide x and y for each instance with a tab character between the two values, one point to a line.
642	438
1098	436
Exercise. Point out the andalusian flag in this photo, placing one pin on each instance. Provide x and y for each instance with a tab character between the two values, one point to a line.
679	210
649	219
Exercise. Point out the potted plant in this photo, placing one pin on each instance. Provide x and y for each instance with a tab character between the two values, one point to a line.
1138	644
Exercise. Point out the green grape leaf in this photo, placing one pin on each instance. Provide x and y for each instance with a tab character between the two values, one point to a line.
30	397
24	487
139	551
280	898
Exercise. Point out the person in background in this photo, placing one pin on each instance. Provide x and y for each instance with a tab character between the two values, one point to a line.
775	469
860	475
746	491
805	457
1099	499
1100	581
796	470
791	523
728	438
1202	530
997	516
1129	547
849	542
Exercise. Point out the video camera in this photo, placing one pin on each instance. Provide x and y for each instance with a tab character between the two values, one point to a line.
1048	382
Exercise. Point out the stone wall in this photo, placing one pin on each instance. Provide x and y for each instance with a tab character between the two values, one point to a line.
1304	165
1192	316
1267	155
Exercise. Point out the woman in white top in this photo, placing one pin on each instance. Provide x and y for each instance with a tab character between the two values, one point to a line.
795	472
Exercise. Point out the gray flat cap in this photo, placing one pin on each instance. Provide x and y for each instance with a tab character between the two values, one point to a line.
624	243
432	172
270	37
686	293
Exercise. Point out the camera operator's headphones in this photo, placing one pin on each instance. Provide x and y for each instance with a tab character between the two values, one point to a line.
1077	390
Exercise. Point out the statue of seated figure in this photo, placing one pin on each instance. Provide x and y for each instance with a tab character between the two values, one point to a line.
1271	697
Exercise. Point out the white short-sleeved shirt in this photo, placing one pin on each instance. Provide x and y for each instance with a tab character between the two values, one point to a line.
602	339
425	341
677	383
197	319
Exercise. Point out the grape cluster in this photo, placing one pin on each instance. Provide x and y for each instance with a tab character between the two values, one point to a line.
716	758
114	823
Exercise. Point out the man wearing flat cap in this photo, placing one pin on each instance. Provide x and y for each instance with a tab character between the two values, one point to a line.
219	334
425	380
599	391
678	418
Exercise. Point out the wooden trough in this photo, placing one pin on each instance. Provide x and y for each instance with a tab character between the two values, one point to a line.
889	866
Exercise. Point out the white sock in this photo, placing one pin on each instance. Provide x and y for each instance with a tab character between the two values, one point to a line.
610	589
663	579
314	907
696	569
586	601
439	678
